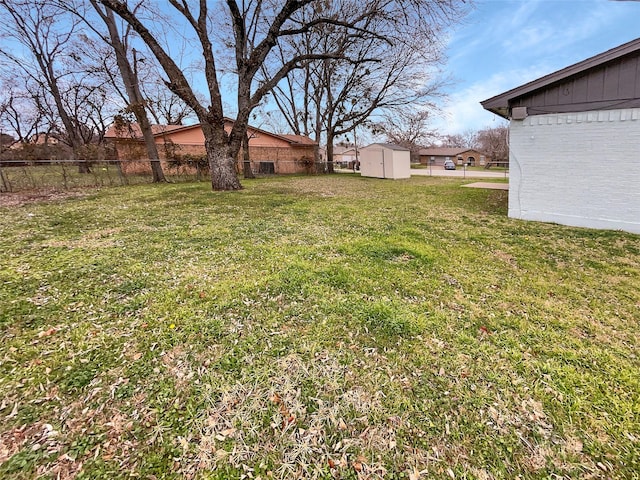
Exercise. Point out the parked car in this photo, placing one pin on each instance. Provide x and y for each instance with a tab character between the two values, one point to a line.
449	165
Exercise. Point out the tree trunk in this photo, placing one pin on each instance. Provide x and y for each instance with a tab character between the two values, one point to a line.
156	172
129	76
222	158
330	109
246	165
330	151
318	135
150	142
222	166
70	125
83	166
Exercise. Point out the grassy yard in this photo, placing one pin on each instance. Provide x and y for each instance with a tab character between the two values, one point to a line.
314	327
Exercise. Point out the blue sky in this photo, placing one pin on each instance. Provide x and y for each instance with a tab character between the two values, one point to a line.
502	44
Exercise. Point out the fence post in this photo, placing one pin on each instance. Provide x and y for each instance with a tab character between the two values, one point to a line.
6	187
123	178
29	175
64	176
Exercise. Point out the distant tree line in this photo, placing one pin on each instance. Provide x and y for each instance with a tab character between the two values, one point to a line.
413	130
494	141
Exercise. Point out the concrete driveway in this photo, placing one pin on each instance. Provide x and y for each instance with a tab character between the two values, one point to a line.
459	172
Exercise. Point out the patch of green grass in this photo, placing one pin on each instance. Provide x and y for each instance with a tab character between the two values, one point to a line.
314	327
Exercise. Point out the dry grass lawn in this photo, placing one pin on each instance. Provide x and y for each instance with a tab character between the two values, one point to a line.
314	327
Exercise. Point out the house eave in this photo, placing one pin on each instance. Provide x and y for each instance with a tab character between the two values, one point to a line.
500	104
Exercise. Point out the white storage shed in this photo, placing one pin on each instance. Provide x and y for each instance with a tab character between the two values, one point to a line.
383	160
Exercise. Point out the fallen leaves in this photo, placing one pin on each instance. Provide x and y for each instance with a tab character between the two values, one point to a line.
225	434
48	332
14	412
287	417
414	475
310	388
35	437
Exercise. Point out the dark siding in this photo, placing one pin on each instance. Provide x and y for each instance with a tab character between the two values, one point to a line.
637	92
551	96
595	85
611	82
628	74
612	85
579	90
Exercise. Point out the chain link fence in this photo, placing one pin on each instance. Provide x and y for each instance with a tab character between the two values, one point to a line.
34	175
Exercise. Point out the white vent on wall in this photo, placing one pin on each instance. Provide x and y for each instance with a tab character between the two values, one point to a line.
518	113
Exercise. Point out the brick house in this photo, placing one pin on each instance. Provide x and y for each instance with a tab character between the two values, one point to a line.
269	152
438	155
574	138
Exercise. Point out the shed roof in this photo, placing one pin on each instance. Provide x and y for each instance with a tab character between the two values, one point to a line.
390	146
500	104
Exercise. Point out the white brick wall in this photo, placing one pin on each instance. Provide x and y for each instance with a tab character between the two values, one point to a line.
580	169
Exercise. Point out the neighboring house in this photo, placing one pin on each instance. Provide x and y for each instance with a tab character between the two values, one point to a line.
344	156
385	160
460	156
349	157
574	141
269	152
43	139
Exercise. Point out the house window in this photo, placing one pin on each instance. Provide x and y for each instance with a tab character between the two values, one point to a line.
267	168
482	160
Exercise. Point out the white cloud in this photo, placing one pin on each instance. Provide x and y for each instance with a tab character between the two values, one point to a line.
463	110
507	44
541	29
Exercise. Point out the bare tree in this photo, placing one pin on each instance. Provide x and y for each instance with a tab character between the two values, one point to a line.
494	142
246	159
45	41
389	71
257	26
19	110
85	103
163	105
5	141
466	139
247	21
129	75
407	129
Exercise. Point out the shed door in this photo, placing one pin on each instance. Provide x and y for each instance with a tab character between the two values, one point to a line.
373	164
